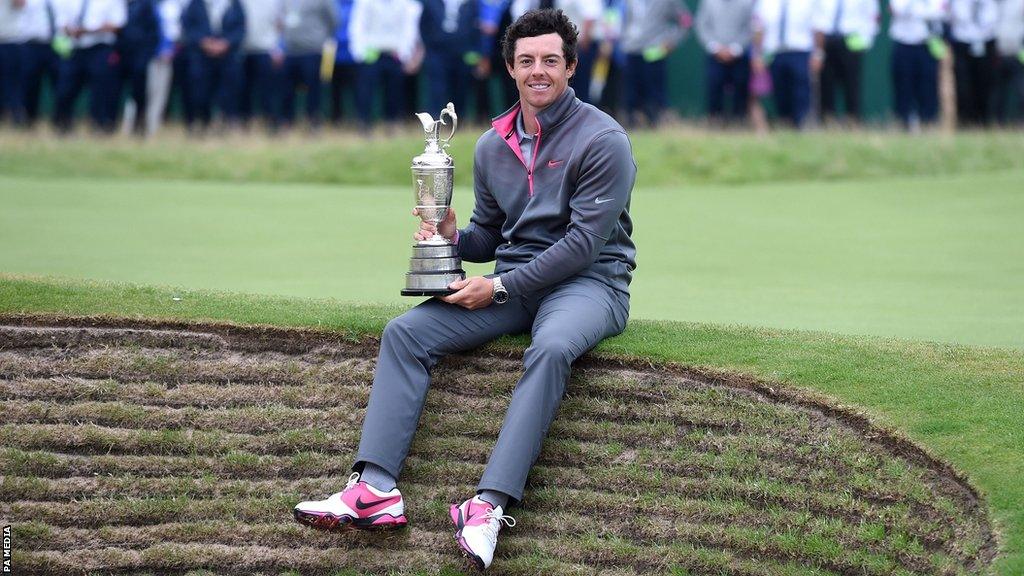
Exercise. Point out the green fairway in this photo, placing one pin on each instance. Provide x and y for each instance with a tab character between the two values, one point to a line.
921	257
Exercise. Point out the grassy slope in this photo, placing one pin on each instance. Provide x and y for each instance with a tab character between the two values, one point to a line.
962	403
925	258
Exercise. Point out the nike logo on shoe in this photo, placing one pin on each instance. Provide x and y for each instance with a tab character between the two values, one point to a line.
360	504
602	200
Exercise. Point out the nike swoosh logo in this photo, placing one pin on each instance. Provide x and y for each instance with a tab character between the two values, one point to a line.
364	505
555	163
600	201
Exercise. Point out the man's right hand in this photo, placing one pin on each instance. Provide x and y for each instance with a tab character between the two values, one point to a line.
447	228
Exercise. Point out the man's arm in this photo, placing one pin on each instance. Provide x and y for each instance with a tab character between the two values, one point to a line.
479	240
602	192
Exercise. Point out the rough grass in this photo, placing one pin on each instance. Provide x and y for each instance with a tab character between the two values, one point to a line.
173	450
672	157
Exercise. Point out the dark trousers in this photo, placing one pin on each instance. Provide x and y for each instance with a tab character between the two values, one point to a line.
134	71
1009	90
261	80
343	91
728	79
302	70
386	73
646	88
840	71
585	59
915	81
791	84
975	75
212	82
11	104
38	63
180	89
95	67
449	79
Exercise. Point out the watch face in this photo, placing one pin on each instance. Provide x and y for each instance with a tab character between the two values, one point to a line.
500	297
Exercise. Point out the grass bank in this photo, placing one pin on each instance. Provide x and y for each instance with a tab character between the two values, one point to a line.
961	403
672	157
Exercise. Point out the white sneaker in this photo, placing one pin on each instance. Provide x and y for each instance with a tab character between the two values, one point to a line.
477	523
359	505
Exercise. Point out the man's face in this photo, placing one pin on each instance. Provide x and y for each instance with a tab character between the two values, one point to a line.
540	70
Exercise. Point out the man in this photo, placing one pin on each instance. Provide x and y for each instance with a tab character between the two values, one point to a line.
308	24
849	27
587	16
383	37
786	43
343	77
92	26
651	29
11	38
212	32
451	37
39	63
262	61
137	44
1009	99
916	30
973	34
723	28
161	72
552	181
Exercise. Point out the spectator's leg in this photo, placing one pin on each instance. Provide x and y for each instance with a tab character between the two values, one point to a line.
11	76
657	91
584	66
962	73
158	88
800	73
715	77
393	81
831	76
634	81
70	81
740	75
366	86
903	82
289	88
852	83
781	88
102	71
310	71
927	85
139	79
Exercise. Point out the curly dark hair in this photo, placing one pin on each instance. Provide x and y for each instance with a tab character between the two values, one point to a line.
539	23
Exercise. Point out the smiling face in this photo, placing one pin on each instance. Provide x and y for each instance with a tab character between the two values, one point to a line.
540	71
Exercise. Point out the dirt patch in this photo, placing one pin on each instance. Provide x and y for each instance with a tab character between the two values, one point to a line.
132	446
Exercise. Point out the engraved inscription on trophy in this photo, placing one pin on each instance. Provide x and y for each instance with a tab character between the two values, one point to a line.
435	261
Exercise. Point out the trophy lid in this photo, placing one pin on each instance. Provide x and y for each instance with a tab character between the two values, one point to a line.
434	155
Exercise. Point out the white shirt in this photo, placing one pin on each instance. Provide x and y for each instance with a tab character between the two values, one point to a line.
856	17
913	21
35	24
10	24
263	20
98	13
1010	27
798	35
170	18
973	21
384	26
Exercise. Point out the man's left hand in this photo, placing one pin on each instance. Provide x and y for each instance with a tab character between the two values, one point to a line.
473	293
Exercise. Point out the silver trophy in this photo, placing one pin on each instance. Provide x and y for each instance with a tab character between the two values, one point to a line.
435	261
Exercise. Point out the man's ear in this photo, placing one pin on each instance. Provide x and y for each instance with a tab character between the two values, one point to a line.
511	70
571	69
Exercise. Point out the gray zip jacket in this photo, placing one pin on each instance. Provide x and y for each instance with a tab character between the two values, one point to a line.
566	213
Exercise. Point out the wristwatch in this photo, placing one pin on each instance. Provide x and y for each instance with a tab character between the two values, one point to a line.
500	295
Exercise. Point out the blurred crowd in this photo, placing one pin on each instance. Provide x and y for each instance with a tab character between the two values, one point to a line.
363	62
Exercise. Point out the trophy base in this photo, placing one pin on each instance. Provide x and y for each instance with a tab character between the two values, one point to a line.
431	283
431	293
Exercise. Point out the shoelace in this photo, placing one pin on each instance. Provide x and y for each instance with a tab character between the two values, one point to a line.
491	528
352	479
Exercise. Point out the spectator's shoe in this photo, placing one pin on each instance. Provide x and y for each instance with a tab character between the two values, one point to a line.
477	523
359	505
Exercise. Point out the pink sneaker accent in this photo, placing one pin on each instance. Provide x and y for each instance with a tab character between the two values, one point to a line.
477	523
359	505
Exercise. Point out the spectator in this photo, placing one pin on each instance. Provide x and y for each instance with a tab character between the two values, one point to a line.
451	37
11	38
161	68
491	12
651	29
39	62
383	40
137	44
308	25
343	79
723	28
849	27
916	29
1009	88
787	44
212	33
973	33
606	80
262	61
91	26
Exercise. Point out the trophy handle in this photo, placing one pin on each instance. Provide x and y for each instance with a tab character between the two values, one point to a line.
448	110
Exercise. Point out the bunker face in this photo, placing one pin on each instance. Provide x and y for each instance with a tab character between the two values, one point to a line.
184	448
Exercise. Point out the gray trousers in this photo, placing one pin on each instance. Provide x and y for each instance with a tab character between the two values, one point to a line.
564	322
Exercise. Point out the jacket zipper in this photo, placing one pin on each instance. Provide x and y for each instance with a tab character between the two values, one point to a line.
533	161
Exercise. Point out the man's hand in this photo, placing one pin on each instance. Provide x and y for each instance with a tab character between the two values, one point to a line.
473	293
427	229
724	55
